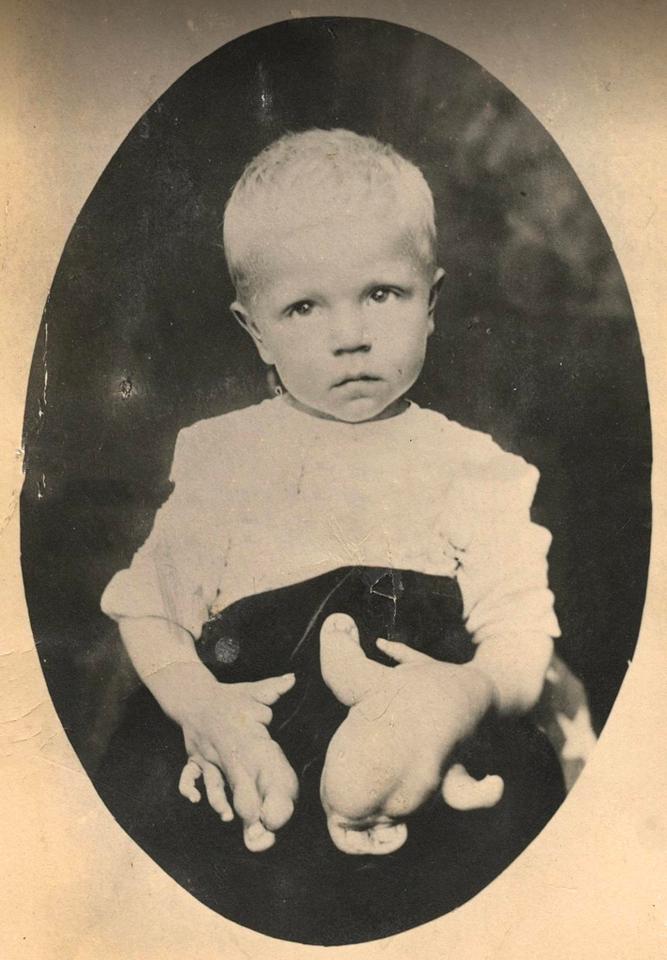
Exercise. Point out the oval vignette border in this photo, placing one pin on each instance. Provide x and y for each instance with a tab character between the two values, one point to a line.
67	471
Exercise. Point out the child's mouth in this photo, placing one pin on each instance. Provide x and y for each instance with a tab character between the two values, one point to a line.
358	378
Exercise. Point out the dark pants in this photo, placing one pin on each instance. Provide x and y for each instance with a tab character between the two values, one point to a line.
304	889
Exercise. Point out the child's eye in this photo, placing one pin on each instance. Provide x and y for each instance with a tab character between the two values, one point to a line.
382	294
301	309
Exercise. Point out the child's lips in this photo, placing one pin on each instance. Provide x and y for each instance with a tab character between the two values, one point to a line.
356	378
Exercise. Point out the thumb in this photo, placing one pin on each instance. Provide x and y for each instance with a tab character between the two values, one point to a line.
269	690
346	669
463	792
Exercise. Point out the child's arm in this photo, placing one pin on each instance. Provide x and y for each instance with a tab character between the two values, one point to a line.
224	725
164	656
502	572
516	668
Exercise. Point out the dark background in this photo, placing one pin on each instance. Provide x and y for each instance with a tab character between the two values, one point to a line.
535	342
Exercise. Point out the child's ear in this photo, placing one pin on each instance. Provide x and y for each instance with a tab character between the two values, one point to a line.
243	317
434	293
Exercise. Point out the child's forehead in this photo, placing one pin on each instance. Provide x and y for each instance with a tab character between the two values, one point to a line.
371	224
335	223
306	203
341	236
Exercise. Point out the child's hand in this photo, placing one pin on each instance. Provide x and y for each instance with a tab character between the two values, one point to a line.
387	758
226	737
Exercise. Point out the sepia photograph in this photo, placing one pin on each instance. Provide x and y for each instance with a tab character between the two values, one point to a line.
336	507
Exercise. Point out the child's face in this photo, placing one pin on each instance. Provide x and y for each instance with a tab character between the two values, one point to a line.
343	309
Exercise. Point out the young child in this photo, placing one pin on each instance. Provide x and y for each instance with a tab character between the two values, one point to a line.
396	536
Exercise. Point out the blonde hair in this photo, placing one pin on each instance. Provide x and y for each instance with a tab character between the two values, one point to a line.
302	177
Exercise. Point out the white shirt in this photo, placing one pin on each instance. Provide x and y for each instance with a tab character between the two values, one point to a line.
270	496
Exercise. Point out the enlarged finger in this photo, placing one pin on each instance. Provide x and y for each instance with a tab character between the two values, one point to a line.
247	804
401	653
246	797
277	808
463	792
215	791
190	773
278	787
269	690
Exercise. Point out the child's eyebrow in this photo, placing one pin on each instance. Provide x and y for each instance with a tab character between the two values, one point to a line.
401	283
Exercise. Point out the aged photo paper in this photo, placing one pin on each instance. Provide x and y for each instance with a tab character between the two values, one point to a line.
76	78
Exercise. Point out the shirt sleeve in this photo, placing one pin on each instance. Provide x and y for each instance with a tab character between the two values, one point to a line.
170	576
501	560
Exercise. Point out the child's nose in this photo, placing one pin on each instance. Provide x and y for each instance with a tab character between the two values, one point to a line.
349	332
